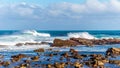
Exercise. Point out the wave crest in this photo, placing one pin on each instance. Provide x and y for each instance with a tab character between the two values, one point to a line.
35	33
85	35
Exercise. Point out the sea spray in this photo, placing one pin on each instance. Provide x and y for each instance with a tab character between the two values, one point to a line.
85	35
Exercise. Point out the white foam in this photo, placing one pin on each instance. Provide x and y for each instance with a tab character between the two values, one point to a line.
26	36
23	48
85	35
35	33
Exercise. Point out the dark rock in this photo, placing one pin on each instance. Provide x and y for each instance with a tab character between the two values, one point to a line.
19	44
39	50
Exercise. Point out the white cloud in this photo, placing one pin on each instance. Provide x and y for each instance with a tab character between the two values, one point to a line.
95	6
60	10
114	6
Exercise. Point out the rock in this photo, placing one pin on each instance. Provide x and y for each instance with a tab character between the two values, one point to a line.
35	58
59	65
113	52
19	44
39	50
96	61
117	62
82	41
17	58
6	63
77	65
30	43
61	43
45	43
77	56
49	66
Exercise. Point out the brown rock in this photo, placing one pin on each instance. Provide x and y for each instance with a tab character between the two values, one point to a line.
61	43
113	52
35	58
39	50
117	62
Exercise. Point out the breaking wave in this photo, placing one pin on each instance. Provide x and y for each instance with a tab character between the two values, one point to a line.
24	36
35	33
85	35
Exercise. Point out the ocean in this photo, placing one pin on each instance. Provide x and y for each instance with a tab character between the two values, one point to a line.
8	40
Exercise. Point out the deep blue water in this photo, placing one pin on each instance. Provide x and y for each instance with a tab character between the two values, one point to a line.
64	33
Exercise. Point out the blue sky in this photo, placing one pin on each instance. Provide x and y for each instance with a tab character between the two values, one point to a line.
59	14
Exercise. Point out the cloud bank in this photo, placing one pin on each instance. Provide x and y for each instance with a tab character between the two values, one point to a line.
92	11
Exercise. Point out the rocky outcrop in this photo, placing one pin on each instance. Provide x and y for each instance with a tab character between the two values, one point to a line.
61	43
82	41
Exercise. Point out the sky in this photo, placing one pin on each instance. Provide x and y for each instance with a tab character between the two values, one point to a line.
59	14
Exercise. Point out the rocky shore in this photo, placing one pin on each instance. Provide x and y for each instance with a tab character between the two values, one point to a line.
50	58
81	41
69	59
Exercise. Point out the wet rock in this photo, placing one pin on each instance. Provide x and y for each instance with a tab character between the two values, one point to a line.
6	63
35	58
30	43
39	50
97	60
49	66
19	44
82	41
77	56
77	65
18	57
59	65
113	52
117	62
61	43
